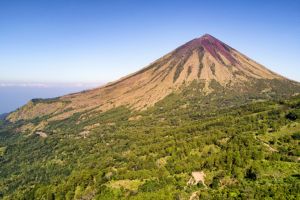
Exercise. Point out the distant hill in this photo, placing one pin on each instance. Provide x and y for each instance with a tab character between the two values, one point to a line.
3	115
14	96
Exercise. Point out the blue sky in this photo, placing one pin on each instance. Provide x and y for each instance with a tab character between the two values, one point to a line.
97	41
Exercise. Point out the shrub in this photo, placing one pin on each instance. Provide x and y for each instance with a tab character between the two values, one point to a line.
251	174
296	136
150	186
292	116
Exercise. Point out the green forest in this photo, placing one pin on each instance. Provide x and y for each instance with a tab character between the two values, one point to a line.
247	149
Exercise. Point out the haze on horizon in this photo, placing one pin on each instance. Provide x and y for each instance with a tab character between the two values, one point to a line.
69	42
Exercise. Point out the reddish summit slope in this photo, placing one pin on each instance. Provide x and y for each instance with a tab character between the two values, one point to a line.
212	45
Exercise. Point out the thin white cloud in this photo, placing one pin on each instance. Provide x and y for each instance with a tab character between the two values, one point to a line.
49	85
23	85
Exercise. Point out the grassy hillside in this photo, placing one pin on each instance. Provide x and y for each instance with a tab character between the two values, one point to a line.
247	151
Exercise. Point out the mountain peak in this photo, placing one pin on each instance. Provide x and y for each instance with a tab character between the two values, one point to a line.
212	45
206	35
207	38
205	60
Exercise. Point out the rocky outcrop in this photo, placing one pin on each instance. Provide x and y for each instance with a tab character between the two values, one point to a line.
197	177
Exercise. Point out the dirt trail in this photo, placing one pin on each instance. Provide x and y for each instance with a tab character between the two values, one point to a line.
194	196
266	144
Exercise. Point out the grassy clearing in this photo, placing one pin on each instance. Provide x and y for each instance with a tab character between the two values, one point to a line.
132	185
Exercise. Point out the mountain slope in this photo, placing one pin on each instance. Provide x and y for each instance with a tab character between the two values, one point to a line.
203	113
245	152
205	60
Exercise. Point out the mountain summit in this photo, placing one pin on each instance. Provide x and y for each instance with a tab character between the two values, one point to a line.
206	61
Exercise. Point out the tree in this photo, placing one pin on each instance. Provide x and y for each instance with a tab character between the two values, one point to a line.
292	116
251	174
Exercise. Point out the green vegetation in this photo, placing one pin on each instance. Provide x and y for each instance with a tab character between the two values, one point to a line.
213	69
2	151
247	151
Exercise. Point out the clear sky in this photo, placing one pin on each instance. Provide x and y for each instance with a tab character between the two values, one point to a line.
97	41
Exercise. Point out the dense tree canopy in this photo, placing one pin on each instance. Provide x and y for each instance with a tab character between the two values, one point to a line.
247	151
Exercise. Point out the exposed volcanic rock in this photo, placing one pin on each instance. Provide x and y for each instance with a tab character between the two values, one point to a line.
205	60
212	45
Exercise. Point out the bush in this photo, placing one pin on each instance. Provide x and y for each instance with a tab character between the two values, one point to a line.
296	136
150	186
251	174
292	116
215	183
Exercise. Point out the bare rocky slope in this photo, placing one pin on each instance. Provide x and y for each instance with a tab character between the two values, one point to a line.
205	60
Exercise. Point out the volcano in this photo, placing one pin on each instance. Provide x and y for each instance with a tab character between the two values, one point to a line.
202	122
205	60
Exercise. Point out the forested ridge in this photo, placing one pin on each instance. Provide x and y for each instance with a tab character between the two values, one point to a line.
248	149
